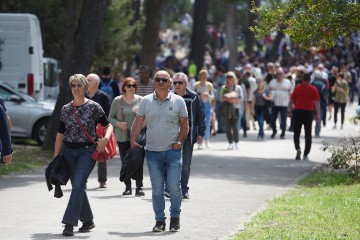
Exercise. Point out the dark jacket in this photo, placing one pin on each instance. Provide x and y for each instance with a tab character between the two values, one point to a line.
57	173
134	160
196	116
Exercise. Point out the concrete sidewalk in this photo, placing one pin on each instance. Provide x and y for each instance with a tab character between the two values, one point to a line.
227	187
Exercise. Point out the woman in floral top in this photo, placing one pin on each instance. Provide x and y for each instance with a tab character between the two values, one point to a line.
76	148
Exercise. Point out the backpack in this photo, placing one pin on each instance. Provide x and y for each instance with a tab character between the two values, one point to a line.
107	88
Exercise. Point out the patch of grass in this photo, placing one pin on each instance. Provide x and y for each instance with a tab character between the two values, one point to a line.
24	158
322	206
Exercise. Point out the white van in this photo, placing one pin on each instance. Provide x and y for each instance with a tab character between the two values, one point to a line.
52	75
21	53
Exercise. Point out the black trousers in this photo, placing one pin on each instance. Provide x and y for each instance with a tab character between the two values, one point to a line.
342	106
302	117
123	148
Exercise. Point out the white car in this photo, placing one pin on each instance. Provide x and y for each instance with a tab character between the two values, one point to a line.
29	117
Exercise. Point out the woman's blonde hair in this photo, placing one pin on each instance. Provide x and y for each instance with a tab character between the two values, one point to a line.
79	78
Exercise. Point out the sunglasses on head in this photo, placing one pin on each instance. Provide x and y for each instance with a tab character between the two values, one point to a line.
79	85
131	85
164	80
179	82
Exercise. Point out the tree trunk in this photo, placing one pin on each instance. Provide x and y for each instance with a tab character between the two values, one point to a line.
250	36
198	36
84	43
273	55
231	35
153	14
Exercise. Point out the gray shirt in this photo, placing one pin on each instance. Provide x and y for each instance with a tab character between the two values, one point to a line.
162	120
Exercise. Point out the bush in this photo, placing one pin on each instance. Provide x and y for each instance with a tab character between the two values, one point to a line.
345	154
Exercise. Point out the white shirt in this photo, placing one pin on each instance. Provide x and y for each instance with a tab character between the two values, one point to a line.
281	91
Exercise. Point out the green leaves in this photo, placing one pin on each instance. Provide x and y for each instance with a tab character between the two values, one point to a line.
310	23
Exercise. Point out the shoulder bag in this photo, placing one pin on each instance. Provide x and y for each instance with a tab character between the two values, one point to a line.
97	156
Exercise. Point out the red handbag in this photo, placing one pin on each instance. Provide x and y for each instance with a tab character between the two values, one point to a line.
100	156
96	156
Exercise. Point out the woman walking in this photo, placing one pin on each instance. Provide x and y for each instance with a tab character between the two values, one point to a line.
341	90
206	91
259	106
231	96
122	114
76	148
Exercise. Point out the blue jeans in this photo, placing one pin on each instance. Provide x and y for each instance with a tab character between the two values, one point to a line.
207	112
260	117
157	162
187	153
81	165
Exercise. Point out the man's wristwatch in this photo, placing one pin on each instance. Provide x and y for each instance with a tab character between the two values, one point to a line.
179	144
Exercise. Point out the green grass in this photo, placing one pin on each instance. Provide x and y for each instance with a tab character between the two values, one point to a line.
322	206
26	157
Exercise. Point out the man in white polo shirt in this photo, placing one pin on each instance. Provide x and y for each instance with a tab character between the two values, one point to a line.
167	125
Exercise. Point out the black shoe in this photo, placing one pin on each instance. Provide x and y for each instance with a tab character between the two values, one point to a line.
273	134
159	226
174	224
87	226
298	154
139	192
282	136
244	135
69	230
186	196
128	191
167	195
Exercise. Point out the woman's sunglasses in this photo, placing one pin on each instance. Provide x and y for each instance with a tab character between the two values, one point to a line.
131	85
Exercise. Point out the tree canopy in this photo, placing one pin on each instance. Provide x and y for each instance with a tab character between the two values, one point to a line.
310	23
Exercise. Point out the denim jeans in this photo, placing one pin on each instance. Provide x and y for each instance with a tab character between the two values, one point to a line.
81	165
318	123
157	162
207	112
260	117
187	153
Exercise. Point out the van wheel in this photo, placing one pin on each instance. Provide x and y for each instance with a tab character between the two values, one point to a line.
40	131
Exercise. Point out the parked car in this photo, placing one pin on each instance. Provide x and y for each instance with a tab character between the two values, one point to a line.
29	117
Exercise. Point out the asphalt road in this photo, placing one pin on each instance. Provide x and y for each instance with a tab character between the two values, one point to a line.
227	188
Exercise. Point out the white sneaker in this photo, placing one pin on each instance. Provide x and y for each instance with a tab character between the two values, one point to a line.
334	127
207	144
237	146
199	146
231	146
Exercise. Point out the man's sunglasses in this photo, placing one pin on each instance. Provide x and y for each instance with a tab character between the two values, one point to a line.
180	83
164	80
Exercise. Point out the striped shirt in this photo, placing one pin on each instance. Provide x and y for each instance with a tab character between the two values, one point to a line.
144	90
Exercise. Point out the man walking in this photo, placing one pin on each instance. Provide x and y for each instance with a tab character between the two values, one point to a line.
197	127
144	83
166	119
304	97
101	98
281	88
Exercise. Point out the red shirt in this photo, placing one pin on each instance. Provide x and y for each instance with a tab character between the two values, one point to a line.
304	96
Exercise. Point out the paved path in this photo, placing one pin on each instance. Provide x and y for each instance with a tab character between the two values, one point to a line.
226	189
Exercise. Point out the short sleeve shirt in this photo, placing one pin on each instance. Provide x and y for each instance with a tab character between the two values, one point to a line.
162	120
304	96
